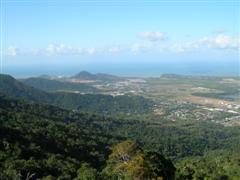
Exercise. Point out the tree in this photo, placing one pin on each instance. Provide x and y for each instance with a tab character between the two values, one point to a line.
128	161
86	172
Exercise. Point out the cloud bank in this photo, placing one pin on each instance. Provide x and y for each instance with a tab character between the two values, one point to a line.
220	42
12	51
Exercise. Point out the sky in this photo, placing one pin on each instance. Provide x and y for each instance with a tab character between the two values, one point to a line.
120	37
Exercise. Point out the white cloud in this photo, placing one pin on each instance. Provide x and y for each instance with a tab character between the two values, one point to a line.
178	48
12	51
183	47
114	49
51	50
153	35
90	51
220	41
63	49
136	48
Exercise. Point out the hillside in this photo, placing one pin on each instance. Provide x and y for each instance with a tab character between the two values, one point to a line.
56	142
55	85
13	88
104	104
218	165
95	103
46	141
84	75
42	141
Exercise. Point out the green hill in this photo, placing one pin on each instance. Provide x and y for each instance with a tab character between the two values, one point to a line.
42	141
13	88
84	75
55	85
95	103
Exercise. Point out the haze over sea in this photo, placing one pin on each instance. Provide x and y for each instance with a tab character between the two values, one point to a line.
141	70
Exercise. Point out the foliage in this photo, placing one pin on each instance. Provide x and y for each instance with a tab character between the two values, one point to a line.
43	141
47	142
128	161
104	104
55	85
213	166
94	103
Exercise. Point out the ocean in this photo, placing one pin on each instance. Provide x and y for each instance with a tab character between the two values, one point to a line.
140	70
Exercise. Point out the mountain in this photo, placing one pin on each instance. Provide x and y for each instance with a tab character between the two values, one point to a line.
46	76
56	85
84	75
45	142
108	77
13	88
94	103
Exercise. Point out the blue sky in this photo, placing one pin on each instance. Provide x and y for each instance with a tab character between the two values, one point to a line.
75	35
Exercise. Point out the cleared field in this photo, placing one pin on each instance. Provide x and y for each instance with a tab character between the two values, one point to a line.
208	101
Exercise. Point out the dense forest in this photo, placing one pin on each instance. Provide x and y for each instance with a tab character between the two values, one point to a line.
55	85
217	165
78	141
41	141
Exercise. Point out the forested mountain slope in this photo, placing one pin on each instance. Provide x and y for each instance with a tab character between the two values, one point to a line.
41	141
96	103
55	85
16	89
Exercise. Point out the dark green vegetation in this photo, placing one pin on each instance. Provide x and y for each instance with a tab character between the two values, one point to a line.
96	103
54	85
181	139
42	141
46	142
219	165
104	104
13	88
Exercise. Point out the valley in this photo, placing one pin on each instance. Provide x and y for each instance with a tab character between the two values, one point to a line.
77	123
174	97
